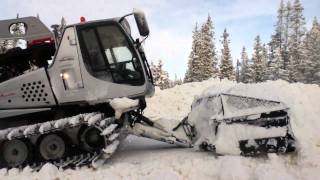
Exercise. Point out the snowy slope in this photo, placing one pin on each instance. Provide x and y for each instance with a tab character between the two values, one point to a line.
141	158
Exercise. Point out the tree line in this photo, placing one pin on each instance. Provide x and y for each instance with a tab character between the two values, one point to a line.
293	53
161	76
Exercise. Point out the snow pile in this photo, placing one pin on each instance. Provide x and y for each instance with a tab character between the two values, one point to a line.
175	103
121	105
141	158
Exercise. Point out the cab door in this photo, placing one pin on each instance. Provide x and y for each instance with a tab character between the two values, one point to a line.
65	72
111	67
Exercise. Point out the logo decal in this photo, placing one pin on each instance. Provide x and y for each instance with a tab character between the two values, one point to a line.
4	95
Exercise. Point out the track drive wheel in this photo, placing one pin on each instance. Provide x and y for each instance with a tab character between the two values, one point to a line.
15	152
52	147
91	139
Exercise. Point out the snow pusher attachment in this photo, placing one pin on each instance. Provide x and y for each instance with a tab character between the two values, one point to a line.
232	124
129	113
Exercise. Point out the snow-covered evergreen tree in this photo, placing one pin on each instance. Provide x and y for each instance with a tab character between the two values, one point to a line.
284	49
278	37
274	65
258	62
312	54
265	61
296	34
238	71
282	54
177	81
281	70
193	72
279	40
153	69
160	76
246	73
207	51
226	67
202	62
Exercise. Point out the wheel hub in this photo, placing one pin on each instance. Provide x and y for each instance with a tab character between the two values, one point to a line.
15	152
91	139
52	147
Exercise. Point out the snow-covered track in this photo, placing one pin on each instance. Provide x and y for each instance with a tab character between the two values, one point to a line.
72	130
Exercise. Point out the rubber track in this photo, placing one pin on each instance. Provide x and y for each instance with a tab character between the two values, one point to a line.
96	120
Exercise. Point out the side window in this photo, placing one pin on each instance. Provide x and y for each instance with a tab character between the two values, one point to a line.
94	61
122	53
108	55
122	62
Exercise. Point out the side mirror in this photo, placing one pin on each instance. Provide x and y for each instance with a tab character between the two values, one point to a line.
141	22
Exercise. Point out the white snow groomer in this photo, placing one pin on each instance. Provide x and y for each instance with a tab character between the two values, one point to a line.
55	91
231	124
65	100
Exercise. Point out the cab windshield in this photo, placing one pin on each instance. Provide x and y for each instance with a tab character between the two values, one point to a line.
108	56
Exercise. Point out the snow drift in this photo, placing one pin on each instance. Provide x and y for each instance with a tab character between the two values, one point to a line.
145	159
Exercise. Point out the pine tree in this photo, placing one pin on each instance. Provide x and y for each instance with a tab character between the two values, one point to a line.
296	35
258	64
279	62
246	73
312	54
193	72
273	68
284	50
202	62
238	71
226	67
208	51
177	81
278	37
265	59
160	76
154	71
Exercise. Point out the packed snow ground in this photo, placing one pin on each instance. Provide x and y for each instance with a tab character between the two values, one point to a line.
140	158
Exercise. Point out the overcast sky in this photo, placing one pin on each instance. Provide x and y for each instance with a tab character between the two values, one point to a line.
171	21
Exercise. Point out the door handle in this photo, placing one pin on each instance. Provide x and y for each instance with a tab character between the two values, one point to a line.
67	59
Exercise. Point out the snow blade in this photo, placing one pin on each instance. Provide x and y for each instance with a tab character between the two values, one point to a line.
232	124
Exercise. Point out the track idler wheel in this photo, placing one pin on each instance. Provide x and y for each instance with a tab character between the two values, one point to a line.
15	152
52	147
90	139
